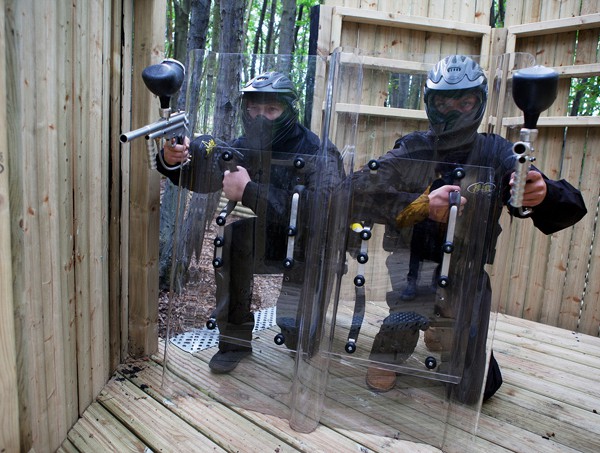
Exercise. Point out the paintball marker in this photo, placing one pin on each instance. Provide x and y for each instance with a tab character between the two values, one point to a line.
163	80
534	90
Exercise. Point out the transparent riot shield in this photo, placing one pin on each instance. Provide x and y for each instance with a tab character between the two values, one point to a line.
300	283
506	119
409	351
413	325
257	255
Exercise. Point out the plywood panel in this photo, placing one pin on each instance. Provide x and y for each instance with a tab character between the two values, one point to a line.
577	259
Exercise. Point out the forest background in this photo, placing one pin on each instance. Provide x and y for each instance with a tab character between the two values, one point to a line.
266	27
271	27
284	27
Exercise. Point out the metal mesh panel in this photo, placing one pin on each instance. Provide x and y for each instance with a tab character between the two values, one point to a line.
199	339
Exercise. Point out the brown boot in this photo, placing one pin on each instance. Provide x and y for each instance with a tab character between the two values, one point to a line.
438	339
380	380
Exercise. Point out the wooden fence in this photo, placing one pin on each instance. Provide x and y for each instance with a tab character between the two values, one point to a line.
66	79
79	212
542	278
556	284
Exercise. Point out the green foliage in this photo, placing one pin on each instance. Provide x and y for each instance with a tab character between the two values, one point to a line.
497	13
170	29
584	97
254	25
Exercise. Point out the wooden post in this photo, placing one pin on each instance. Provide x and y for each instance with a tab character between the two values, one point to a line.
144	203
121	37
9	417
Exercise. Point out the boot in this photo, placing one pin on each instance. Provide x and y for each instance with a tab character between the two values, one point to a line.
380	380
225	361
410	291
394	344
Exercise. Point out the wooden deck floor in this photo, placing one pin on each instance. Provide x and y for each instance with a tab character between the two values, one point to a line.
550	402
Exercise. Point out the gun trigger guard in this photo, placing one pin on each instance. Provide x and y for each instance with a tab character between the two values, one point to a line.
525	212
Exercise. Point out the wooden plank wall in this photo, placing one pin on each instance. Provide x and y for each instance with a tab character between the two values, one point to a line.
64	203
385	29
555	284
57	59
545	279
144	194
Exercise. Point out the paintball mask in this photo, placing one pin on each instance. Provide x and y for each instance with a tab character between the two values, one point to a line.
451	84
261	132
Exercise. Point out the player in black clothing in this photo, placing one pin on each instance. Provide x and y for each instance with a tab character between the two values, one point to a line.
455	100
277	157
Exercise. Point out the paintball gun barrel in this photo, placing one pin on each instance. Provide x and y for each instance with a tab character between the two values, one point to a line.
165	127
534	89
163	80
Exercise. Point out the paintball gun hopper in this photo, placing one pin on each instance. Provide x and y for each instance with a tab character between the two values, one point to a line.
534	89
163	80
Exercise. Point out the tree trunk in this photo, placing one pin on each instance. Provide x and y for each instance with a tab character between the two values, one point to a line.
287	35
216	21
182	23
288	27
227	94
297	27
197	16
577	100
202	206
269	49
258	36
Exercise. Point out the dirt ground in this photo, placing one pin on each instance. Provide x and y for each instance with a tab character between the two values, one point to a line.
193	307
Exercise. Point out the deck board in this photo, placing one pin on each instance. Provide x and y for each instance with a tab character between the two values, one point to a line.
550	402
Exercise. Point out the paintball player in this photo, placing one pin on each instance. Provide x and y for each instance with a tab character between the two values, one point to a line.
265	181
455	98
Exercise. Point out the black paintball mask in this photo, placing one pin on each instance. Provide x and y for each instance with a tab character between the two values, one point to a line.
266	89
453	118
263	133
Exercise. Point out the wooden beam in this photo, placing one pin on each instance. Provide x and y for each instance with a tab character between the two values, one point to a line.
549	27
389	112
557	121
125	124
580	70
386	19
117	23
404	66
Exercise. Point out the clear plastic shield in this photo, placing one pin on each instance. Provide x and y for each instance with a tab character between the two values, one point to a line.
323	294
409	350
257	262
